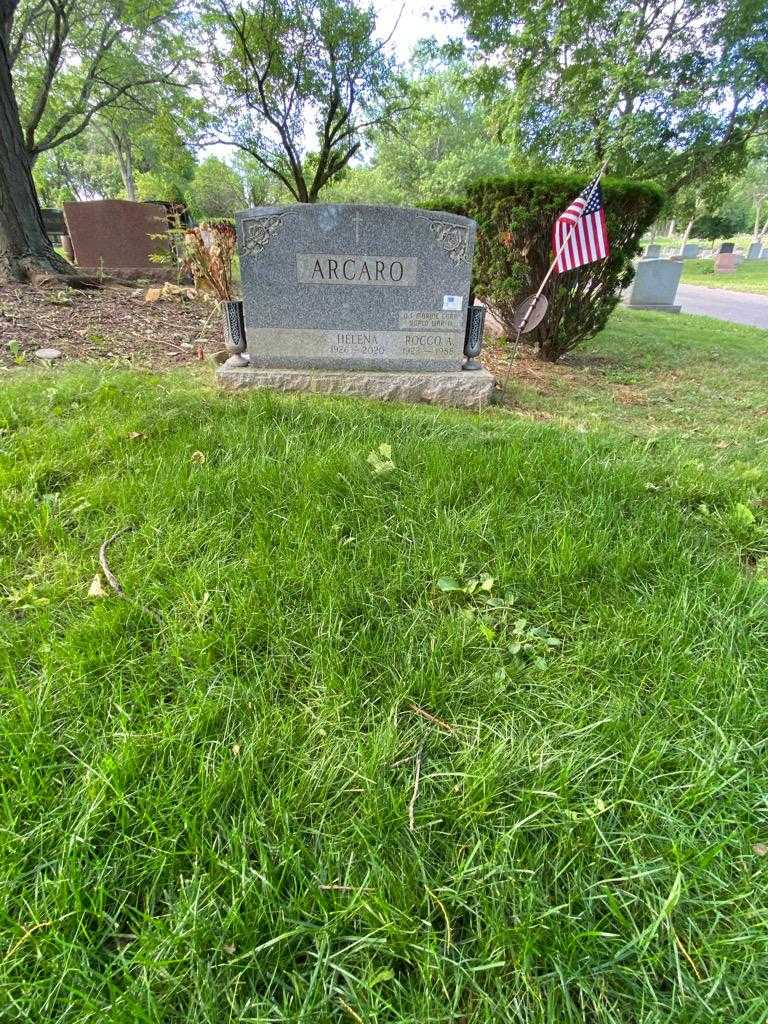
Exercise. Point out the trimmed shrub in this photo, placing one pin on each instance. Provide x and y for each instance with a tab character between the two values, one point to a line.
515	217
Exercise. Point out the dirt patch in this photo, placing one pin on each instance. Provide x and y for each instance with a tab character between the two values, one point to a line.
625	395
528	369
106	325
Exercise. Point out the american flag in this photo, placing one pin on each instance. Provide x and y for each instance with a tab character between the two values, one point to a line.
580	235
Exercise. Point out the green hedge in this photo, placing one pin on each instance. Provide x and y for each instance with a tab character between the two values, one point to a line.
515	217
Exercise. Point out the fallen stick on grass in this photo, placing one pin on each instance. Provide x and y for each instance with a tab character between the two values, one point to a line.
114	582
431	718
110	577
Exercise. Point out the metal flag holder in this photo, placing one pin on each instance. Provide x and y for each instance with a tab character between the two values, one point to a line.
536	306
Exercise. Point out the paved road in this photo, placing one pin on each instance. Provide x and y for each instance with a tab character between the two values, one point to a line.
723	304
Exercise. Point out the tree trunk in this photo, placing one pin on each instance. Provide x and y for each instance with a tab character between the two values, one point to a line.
124	153
756	233
25	249
686	236
671	230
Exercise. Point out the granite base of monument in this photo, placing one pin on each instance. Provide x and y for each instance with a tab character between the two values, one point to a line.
466	389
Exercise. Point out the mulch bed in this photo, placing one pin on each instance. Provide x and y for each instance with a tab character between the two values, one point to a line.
117	325
112	324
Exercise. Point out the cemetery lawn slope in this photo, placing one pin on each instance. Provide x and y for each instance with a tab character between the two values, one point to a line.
751	276
685	386
306	769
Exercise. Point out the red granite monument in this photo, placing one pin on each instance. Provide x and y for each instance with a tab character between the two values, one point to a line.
114	235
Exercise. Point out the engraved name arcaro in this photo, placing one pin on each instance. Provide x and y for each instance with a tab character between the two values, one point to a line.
257	234
324	268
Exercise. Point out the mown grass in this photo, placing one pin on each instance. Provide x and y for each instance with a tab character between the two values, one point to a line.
751	276
690	387
206	784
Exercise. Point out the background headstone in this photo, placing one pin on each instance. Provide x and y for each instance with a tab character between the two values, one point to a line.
754	251
726	262
655	285
114	234
727	247
652	252
691	251
53	222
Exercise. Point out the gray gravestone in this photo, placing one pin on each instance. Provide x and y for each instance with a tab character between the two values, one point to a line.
655	285
691	251
53	221
356	291
754	251
652	252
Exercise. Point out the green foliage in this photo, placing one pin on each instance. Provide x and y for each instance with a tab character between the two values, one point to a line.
429	154
301	84
215	191
74	60
715	225
83	168
515	217
671	92
206	782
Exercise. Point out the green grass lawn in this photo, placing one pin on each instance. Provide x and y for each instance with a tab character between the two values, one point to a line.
223	796
751	276
685	386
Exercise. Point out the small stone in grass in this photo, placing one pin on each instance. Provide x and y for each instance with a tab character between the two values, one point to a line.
96	588
760	849
48	354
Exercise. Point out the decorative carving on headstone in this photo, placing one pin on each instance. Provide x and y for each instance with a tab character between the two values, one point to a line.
453	239
258	233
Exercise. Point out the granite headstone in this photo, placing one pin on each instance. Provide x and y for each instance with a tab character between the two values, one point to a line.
53	221
655	285
726	262
691	251
116	235
357	299
754	251
652	252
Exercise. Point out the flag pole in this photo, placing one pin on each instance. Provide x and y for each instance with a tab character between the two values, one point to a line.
553	264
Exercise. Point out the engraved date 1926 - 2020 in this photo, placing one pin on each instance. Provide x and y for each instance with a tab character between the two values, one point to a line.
356	343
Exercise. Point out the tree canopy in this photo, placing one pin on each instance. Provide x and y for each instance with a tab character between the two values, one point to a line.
671	91
73	60
302	82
